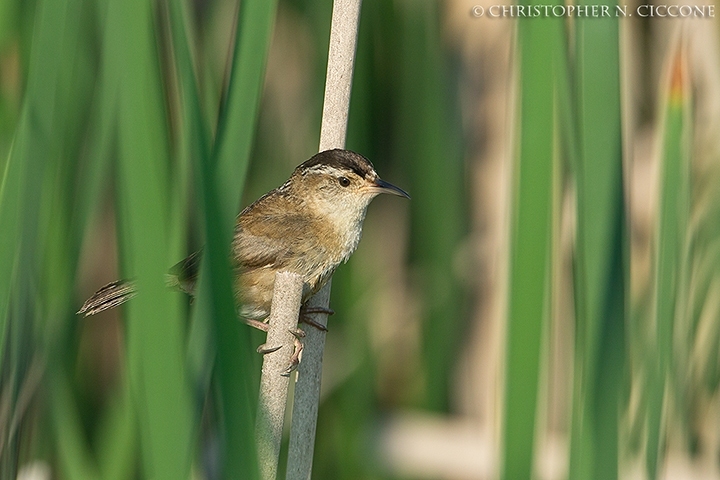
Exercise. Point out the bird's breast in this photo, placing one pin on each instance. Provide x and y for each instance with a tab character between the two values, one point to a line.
313	252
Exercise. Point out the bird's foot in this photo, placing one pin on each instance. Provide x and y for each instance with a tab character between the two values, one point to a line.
298	346
305	313
297	353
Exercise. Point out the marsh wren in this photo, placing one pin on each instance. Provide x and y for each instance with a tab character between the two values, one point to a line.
308	225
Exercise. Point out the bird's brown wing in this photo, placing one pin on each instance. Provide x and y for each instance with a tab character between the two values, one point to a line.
265	245
277	241
272	242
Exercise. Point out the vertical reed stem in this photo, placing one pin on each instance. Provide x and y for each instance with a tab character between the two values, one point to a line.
341	60
287	297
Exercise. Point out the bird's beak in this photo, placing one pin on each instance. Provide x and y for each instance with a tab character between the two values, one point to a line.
381	186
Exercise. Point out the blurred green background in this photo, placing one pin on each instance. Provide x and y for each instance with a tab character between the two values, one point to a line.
547	306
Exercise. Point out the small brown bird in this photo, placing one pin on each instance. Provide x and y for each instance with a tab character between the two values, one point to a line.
308	225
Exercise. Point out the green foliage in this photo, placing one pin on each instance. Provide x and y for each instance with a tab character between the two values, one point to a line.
671	255
428	136
121	113
84	106
586	93
612	351
600	273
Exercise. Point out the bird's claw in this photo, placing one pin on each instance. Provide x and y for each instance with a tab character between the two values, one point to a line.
326	310
305	313
297	353
297	333
313	323
264	349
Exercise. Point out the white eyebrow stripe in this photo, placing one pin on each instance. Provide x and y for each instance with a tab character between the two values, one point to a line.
327	169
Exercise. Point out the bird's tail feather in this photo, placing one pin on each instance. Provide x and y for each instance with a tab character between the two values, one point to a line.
110	296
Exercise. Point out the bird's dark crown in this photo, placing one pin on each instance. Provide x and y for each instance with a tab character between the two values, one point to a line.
340	159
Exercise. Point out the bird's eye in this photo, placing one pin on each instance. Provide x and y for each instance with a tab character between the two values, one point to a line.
344	181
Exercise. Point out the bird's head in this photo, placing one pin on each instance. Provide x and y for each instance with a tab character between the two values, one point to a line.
341	180
337	186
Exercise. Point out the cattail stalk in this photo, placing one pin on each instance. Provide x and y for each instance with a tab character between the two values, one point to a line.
341	60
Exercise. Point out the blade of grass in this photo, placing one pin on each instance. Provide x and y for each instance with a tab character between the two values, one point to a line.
195	147
155	342
21	177
51	144
672	223
599	271
238	118
36	145
74	458
220	185
10	214
173	21
116	446
232	339
539	40
439	220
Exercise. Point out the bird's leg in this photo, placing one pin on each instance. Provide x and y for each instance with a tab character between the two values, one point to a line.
256	324
262	349
305	312
297	353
